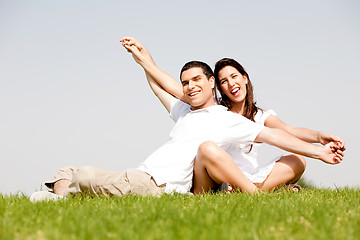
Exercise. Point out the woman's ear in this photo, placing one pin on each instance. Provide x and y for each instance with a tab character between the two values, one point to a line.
246	79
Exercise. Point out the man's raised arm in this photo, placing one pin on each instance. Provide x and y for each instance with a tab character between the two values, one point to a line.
143	58
164	97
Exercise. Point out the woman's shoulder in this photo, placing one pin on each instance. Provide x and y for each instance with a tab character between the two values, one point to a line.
263	114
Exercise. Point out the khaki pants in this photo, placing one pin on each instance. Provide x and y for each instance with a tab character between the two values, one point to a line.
99	181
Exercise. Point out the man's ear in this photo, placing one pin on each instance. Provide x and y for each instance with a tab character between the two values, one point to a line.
212	82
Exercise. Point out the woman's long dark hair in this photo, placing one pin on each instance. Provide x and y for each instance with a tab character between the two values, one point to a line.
250	108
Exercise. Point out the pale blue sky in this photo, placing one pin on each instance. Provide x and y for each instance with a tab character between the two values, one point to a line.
70	95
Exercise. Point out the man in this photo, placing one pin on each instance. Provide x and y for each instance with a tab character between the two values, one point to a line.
199	123
214	164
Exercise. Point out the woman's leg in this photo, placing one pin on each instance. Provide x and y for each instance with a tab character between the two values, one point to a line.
288	169
214	166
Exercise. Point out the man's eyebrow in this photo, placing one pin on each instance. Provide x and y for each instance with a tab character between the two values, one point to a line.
197	76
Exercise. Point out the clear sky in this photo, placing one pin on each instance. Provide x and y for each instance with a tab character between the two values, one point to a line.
70	95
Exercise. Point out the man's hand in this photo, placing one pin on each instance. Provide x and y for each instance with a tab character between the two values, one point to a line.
163	85
331	153
138	51
154	74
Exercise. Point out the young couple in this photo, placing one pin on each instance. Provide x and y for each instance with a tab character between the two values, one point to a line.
210	144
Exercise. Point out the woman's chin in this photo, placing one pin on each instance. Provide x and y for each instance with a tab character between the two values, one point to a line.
237	99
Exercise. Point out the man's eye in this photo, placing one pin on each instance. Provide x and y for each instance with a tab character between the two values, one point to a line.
222	82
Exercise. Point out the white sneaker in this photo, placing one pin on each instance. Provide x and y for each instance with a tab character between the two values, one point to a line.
44	196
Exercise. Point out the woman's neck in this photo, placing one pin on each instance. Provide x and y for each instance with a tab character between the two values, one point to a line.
238	107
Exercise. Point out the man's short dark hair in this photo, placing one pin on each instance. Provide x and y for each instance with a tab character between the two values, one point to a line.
197	64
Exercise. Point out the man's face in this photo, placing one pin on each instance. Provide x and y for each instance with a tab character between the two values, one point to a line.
197	88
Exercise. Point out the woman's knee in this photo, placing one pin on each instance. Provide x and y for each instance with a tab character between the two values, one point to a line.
296	162
300	162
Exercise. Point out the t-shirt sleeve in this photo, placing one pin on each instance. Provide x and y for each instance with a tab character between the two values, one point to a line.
242	130
178	109
254	129
262	115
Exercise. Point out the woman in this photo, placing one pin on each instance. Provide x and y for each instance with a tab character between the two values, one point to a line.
236	91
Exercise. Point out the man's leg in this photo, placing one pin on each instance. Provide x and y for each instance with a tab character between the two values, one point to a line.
287	170
60	186
61	180
97	181
214	166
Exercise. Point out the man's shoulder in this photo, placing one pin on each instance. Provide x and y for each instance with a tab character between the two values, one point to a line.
178	109
178	104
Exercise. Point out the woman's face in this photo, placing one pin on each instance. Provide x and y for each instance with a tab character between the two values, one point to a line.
233	84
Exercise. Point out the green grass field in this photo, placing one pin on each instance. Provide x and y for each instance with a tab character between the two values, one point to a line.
309	214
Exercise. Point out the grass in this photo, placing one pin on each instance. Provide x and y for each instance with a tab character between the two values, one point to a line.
309	214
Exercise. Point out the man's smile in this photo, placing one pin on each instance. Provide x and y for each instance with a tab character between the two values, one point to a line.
194	93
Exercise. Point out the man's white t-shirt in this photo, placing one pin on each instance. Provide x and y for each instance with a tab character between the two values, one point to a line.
173	162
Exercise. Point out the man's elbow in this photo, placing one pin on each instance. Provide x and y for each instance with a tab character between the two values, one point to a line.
260	138
267	135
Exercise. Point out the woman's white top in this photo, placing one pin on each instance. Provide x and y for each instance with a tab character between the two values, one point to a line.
248	161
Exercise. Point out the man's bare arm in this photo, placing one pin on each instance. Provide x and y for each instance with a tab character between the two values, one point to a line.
164	97
305	134
281	139
143	58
